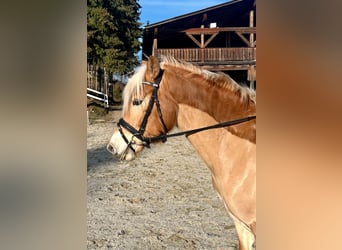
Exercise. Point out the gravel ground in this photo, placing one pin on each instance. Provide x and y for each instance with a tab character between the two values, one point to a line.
162	200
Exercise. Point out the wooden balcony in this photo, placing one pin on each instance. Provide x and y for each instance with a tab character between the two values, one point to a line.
208	57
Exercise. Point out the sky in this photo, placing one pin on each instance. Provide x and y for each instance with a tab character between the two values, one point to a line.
154	11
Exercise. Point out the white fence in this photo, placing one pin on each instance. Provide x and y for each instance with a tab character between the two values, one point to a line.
97	84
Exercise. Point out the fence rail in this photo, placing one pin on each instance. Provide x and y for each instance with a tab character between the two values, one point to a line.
97	84
211	54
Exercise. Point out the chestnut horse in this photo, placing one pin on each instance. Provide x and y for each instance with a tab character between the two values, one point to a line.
161	95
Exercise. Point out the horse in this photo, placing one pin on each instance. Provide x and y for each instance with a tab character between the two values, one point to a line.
217	115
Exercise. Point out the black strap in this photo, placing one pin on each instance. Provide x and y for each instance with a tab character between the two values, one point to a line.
129	143
161	118
194	131
153	99
148	111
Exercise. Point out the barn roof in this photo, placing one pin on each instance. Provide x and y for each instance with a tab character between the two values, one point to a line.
231	11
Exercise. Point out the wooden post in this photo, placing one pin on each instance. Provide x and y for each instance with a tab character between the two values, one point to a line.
251	24
154	46
202	37
155	42
202	44
96	78
251	76
251	70
105	81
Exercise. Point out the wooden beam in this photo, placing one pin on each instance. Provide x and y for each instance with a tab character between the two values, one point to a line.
251	24
251	75
155	46
202	38
202	43
243	38
194	39
224	67
210	39
208	31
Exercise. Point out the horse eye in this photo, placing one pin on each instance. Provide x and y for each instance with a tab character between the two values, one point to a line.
137	102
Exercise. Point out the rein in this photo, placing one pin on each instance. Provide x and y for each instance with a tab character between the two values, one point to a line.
197	130
163	137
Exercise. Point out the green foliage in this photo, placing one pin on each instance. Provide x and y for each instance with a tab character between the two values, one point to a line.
113	32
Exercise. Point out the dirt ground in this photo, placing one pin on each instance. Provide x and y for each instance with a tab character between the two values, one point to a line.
162	200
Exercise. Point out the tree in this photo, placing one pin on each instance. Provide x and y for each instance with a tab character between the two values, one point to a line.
113	33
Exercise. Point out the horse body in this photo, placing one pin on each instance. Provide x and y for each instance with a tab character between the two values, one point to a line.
195	98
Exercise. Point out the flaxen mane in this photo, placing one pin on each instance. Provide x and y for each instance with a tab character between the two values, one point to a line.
134	87
218	79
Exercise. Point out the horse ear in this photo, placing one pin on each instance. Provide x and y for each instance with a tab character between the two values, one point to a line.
153	68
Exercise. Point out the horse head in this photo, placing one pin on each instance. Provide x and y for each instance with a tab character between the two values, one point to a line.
148	111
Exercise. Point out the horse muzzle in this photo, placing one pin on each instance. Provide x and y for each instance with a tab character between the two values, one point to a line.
126	155
118	147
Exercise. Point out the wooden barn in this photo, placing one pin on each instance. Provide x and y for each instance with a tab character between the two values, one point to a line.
218	38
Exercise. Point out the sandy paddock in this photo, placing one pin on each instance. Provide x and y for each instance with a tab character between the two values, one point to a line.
162	200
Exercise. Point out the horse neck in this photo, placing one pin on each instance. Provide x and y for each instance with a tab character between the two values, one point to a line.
230	159
223	104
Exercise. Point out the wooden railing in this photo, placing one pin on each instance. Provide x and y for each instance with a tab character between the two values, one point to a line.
225	55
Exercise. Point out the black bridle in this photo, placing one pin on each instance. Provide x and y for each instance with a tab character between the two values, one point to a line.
146	141
140	133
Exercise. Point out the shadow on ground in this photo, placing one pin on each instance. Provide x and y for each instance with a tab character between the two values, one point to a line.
98	157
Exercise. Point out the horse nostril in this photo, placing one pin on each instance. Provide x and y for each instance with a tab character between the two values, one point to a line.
110	149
